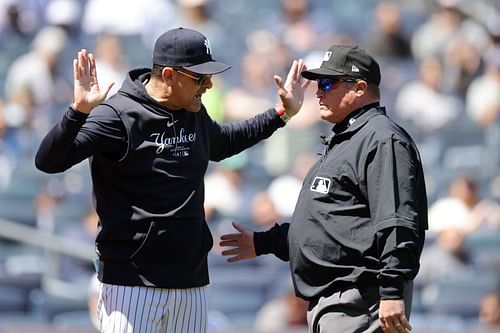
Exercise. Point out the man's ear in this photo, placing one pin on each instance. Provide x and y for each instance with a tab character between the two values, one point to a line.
167	74
361	87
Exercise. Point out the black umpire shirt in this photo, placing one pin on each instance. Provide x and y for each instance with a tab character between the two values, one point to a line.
361	214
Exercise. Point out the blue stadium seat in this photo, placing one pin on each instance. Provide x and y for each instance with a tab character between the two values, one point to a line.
460	295
484	249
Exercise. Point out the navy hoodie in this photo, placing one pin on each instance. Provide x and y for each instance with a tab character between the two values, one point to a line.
147	164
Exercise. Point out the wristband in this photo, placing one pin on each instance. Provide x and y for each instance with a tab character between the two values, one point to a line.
282	114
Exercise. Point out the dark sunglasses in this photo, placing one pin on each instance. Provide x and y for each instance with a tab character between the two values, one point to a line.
200	80
327	85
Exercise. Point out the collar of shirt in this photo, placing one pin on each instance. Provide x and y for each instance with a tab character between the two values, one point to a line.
353	116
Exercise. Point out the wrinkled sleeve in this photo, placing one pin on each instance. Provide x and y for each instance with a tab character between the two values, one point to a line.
398	204
231	138
78	136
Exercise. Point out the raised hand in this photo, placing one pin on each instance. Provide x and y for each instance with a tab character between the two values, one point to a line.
291	93
87	94
241	244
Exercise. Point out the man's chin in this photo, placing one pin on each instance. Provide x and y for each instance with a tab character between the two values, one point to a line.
194	108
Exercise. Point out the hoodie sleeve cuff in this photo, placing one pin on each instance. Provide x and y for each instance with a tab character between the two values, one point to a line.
76	115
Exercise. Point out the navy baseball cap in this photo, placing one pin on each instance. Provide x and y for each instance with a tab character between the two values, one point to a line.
345	60
188	49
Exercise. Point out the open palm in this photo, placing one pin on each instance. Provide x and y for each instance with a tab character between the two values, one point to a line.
291	92
87	94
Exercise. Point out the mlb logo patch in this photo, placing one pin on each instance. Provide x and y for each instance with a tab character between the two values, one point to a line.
320	185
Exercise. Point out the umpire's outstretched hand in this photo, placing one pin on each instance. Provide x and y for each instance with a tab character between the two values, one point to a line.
87	94
241	244
291	93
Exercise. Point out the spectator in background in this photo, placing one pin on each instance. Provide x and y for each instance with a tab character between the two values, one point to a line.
223	188
282	313
21	18
15	34
462	208
446	257
255	91
263	211
130	17
296	28
65	14
389	41
423	103
447	23
112	64
489	310
462	62
483	94
284	189
33	80
197	14
266	43
457	39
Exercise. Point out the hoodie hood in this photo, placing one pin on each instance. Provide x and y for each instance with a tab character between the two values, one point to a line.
134	87
134	84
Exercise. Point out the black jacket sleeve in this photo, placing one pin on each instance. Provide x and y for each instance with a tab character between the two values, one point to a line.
78	136
230	139
398	204
274	240
400	249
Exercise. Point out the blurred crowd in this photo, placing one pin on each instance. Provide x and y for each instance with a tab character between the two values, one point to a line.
440	62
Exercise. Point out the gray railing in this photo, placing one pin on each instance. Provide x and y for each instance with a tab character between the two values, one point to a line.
54	243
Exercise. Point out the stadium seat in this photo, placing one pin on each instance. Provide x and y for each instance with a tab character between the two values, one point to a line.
460	295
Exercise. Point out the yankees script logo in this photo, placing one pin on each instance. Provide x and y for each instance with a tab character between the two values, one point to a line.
162	140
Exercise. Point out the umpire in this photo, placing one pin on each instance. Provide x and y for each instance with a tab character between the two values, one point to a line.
359	224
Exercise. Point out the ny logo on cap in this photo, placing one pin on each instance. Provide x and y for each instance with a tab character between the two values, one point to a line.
328	55
207	45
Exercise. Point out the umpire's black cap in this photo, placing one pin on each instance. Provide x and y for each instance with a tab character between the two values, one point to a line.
188	49
345	60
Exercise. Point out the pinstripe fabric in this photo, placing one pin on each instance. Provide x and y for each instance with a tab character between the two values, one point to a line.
137	309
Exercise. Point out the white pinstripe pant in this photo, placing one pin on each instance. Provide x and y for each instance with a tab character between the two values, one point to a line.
137	309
